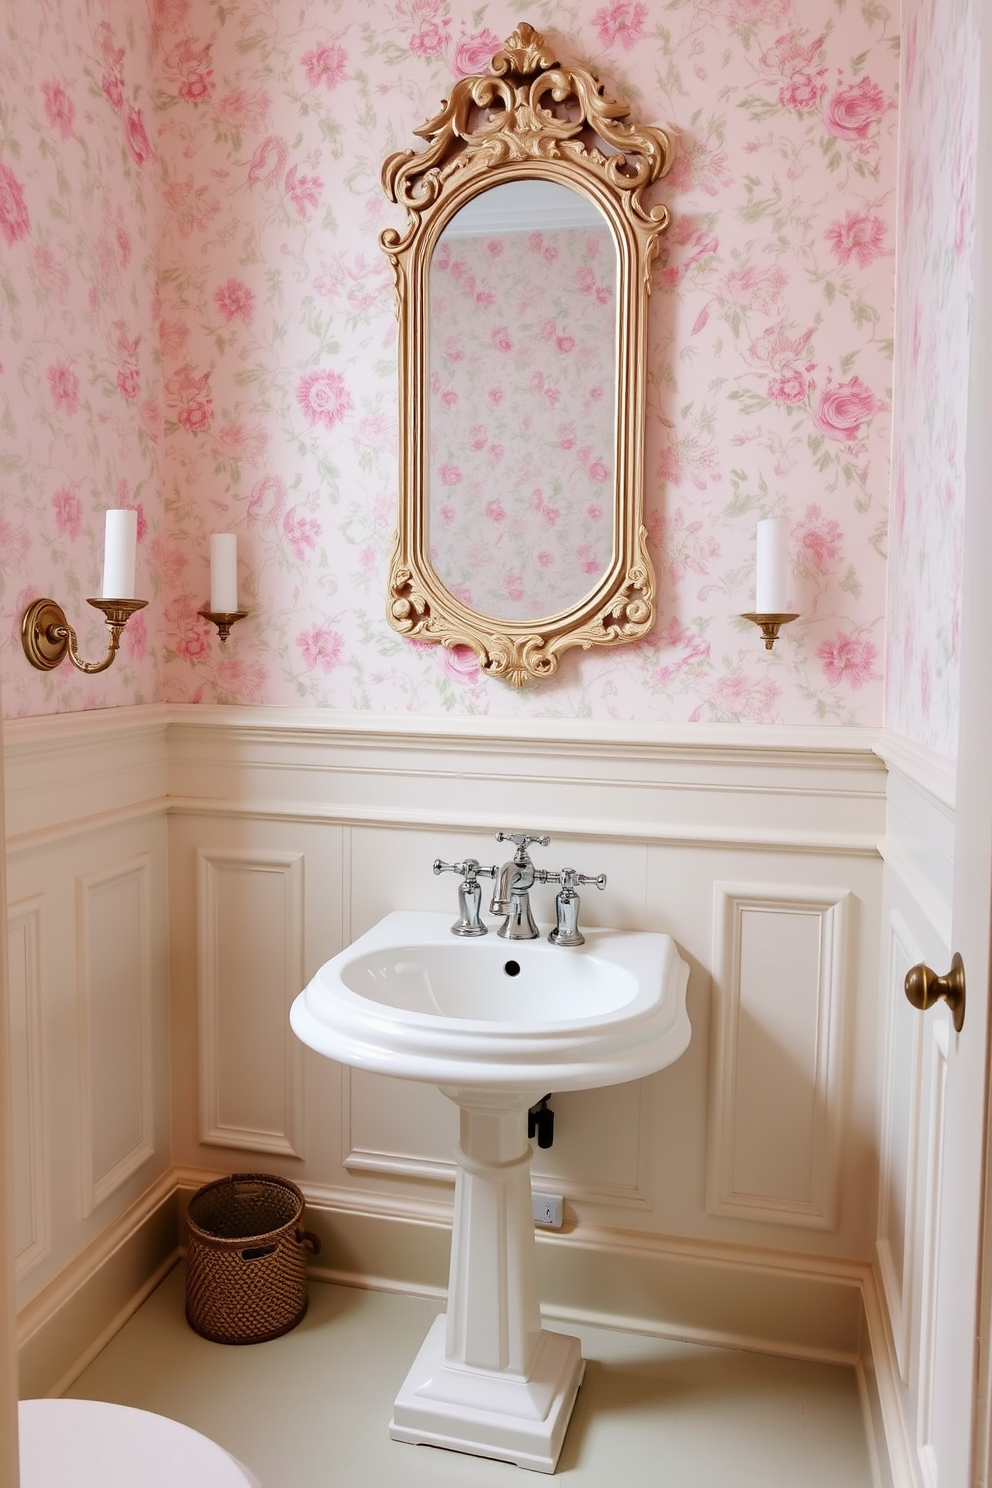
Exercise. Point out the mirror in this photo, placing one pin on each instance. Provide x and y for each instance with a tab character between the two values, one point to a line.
521	283
521	425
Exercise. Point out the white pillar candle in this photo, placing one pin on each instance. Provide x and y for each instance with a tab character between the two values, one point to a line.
772	566
224	573
120	546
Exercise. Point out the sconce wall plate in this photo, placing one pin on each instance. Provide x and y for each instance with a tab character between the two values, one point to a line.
47	636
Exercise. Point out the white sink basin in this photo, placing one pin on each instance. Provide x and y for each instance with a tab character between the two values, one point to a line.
496	1024
408	998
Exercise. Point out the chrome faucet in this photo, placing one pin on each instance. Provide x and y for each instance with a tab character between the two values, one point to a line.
511	896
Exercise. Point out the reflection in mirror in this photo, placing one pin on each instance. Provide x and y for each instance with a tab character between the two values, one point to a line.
522	371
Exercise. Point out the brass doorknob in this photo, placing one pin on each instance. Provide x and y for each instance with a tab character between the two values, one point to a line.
924	988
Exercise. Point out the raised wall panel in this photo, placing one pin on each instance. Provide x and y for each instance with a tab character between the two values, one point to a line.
30	1150
251	966
899	1165
114	975
931	1252
779	980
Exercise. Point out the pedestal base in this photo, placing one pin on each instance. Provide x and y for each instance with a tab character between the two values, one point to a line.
486	1412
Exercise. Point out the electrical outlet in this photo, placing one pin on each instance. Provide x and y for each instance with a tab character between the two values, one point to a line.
548	1210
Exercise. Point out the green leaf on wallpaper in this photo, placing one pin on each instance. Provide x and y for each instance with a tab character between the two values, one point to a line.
847	361
251	43
851	584
759	109
863	313
877	538
829	291
858	62
887	347
874	14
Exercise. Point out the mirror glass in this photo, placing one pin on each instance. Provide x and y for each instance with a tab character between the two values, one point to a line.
521	350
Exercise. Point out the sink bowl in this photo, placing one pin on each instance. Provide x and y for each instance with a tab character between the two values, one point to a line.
408	998
496	1024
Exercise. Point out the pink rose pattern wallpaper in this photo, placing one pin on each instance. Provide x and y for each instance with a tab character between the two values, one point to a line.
522	417
80	394
259	364
936	211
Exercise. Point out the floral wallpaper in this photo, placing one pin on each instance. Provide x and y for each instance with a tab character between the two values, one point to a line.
522	417
80	403
770	372
936	220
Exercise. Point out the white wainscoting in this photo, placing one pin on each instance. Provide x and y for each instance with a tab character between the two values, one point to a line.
776	1114
288	833
32	1174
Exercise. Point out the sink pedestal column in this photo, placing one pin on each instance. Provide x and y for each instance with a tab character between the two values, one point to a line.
488	1379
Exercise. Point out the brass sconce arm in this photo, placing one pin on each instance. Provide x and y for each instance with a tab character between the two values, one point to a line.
47	636
770	625
223	619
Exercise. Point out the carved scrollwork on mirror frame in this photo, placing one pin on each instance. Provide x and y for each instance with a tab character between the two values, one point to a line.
530	119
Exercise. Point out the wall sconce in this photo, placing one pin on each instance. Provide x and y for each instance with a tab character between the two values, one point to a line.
47	636
222	610
770	580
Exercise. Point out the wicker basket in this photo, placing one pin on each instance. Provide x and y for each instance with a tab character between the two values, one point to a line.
246	1275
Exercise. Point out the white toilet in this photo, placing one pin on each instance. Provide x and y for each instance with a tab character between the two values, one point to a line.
92	1444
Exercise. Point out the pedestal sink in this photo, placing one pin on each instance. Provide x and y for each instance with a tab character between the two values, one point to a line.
496	1024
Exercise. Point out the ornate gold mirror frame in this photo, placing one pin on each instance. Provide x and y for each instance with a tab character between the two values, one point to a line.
528	118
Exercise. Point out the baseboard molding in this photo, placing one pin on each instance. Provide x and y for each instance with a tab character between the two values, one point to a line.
62	1329
726	1296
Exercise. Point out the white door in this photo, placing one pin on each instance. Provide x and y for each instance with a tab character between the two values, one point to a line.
953	1377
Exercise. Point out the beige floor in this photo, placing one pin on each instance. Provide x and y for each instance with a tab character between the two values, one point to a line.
310	1410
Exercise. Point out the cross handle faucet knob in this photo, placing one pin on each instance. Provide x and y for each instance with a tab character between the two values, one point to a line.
570	880
469	870
523	839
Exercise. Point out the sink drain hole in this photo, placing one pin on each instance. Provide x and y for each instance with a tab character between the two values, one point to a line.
512	968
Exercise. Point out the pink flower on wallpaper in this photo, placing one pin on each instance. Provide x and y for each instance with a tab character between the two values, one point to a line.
460	663
304	191
501	338
240	681
268	161
197	415
848	660
687	547
791	388
235	301
861	236
325	64
473	53
788	57
323	398
129	382
546	559
621	21
68	512
63	384
15	545
850	112
192	206
320	647
815	543
135	136
687	459
743	699
514	585
191	645
59	108
267	502
747	15
238	442
751	288
802	93
123	238
14	221
450	475
244	108
196	86
49	273
113	90
170	15
843	407
495	510
301	532
695	653
430	40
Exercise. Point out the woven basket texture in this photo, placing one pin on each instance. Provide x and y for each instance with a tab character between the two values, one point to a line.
246	1277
